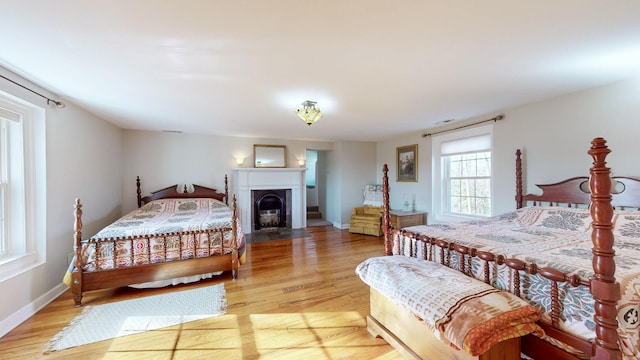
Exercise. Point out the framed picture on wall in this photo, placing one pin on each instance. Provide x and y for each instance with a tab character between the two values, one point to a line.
407	163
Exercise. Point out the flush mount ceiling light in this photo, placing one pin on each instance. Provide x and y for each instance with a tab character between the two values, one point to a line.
309	113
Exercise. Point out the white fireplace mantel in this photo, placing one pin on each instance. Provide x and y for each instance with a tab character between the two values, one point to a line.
249	179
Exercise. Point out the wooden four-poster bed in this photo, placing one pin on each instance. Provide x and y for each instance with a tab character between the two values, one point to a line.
174	234
565	264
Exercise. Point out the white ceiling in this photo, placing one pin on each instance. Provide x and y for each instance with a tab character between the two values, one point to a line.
377	68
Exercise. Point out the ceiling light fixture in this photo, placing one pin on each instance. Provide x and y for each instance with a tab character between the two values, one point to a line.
309	113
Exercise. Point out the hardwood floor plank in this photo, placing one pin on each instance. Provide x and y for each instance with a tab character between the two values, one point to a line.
293	299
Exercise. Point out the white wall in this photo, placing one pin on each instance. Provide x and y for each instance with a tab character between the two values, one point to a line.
162	159
554	136
386	154
84	155
358	161
349	167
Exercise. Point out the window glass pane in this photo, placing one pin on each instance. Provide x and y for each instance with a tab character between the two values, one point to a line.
484	166
455	187
455	168
483	188
455	205
483	206
469	183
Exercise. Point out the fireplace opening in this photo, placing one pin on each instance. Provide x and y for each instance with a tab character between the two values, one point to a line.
271	211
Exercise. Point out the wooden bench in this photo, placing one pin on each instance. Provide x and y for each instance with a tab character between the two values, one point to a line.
401	286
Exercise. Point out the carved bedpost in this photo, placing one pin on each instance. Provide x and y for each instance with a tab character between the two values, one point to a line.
226	189
519	203
76	273
234	240
605	289
386	228
138	191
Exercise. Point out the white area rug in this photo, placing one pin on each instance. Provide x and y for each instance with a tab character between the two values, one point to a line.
103	322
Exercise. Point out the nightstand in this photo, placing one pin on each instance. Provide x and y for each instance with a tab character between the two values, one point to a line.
400	218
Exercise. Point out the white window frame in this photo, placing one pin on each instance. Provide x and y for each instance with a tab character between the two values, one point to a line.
24	169
439	188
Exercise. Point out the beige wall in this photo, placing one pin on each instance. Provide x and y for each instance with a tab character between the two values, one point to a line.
554	135
162	159
83	155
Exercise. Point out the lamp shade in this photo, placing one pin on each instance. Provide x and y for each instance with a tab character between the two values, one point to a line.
309	113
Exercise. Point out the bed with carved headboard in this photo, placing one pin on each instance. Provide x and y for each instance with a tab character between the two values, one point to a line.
557	252
177	234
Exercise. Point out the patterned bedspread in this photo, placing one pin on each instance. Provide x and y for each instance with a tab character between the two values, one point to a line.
554	237
459	311
140	236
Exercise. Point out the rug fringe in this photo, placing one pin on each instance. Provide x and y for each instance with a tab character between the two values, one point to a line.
51	346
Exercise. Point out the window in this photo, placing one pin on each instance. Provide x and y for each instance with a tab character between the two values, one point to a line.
468	183
462	174
22	186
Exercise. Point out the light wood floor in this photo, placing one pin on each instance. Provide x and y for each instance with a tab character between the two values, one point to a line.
294	299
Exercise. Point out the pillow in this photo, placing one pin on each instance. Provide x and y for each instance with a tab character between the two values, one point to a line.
626	223
559	218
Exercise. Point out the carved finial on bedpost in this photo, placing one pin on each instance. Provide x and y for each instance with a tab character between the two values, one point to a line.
226	190
519	203
138	191
605	289
185	189
388	250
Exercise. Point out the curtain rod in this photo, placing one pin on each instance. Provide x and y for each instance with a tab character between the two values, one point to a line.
59	104
494	119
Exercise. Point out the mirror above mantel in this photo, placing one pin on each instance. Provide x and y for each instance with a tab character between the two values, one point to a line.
269	156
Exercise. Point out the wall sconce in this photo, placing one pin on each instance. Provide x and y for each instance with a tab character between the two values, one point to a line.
301	162
240	161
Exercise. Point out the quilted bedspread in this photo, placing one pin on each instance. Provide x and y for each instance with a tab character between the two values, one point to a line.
555	237
140	236
459	311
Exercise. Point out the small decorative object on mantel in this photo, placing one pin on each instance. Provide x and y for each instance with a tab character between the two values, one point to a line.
407	163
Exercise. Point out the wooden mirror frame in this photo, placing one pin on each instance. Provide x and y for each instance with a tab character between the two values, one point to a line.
269	156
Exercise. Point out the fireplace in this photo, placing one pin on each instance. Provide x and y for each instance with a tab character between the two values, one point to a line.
271	209
292	180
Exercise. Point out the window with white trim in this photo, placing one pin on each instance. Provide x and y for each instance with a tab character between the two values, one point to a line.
22	186
462	174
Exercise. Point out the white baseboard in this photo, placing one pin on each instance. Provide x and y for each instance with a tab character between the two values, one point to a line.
29	310
341	226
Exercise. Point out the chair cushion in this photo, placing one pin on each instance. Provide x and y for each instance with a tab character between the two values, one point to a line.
372	210
365	218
